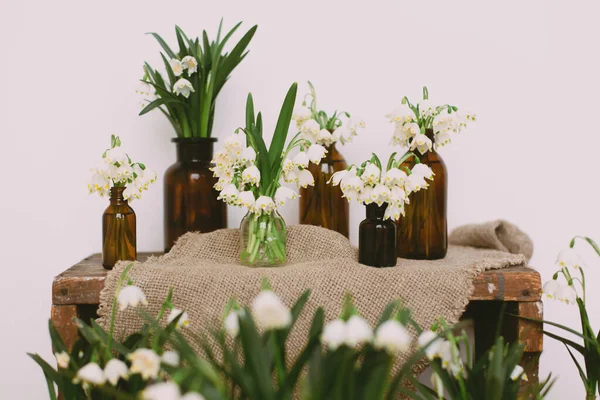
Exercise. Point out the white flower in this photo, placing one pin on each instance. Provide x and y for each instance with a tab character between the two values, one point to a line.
269	312
116	155
176	66
144	88
62	359
566	294
115	370
392	337
399	196
251	175
343	134
190	64
287	165
334	334
518	372
310	129
358	331
183	321
351	182
248	155
283	193
338	176
325	137
569	258
422	143
394	211
301	160
300	115
426	108
99	183
144	362
229	193
450	358
232	323
549	289
183	87
264	204
422	170
162	391
414	183
366	195
91	373
192	396
131	295
316	152
246	199
401	114
170	357
235	143
442	139
371	174
434	349
305	178
395	176
381	194
354	124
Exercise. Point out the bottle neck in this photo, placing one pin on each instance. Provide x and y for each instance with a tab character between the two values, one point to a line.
195	150
116	195
376	212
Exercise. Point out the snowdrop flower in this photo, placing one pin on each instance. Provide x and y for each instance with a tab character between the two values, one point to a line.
232	324
115	370
342	133
549	289
301	160
434	349
401	114
246	199
192	396
183	321
235	143
371	174
394	211
310	129
450	358
264	204
229	193
394	176
144	88
300	115
305	178
351	194
99	183
334	334
131	295
518	372
116	155
422	170
176	66
366	195
251	175
62	359
269	312
183	87
442	139
352	182
190	64
162	391
358	331
283	193
337	177
144	362
426	108
91	373
398	196
381	194
422	143
170	357
354	124
316	152
325	137
392	337
414	183
569	258
248	155
566	294
287	165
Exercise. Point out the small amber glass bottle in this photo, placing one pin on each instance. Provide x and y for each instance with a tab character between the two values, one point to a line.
118	230
323	204
423	231
377	238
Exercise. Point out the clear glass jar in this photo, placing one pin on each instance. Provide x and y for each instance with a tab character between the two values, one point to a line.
118	230
263	240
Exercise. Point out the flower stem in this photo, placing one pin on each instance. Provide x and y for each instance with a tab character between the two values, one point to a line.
114	311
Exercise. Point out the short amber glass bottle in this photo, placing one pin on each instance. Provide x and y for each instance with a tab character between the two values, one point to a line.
423	231
191	203
118	230
323	204
377	238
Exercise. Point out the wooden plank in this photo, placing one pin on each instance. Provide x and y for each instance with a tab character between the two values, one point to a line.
62	318
82	283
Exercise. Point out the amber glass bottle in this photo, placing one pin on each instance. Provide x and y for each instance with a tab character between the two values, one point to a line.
322	204
423	231
190	199
377	238
118	230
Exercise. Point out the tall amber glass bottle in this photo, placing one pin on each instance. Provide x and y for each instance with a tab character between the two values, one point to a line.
322	204
190	198
118	230
377	238
423	231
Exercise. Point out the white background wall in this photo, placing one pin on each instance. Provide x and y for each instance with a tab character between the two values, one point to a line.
69	71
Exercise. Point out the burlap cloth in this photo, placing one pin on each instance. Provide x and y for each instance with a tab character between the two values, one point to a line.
203	269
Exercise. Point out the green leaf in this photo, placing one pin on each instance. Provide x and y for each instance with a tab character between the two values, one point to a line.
170	74
249	111
234	58
57	343
163	44
180	41
579	369
589	240
565	341
50	373
157	103
388	312
282	127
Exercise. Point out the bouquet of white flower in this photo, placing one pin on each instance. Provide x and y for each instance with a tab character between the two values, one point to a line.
188	100
319	128
370	183
413	120
117	170
251	176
